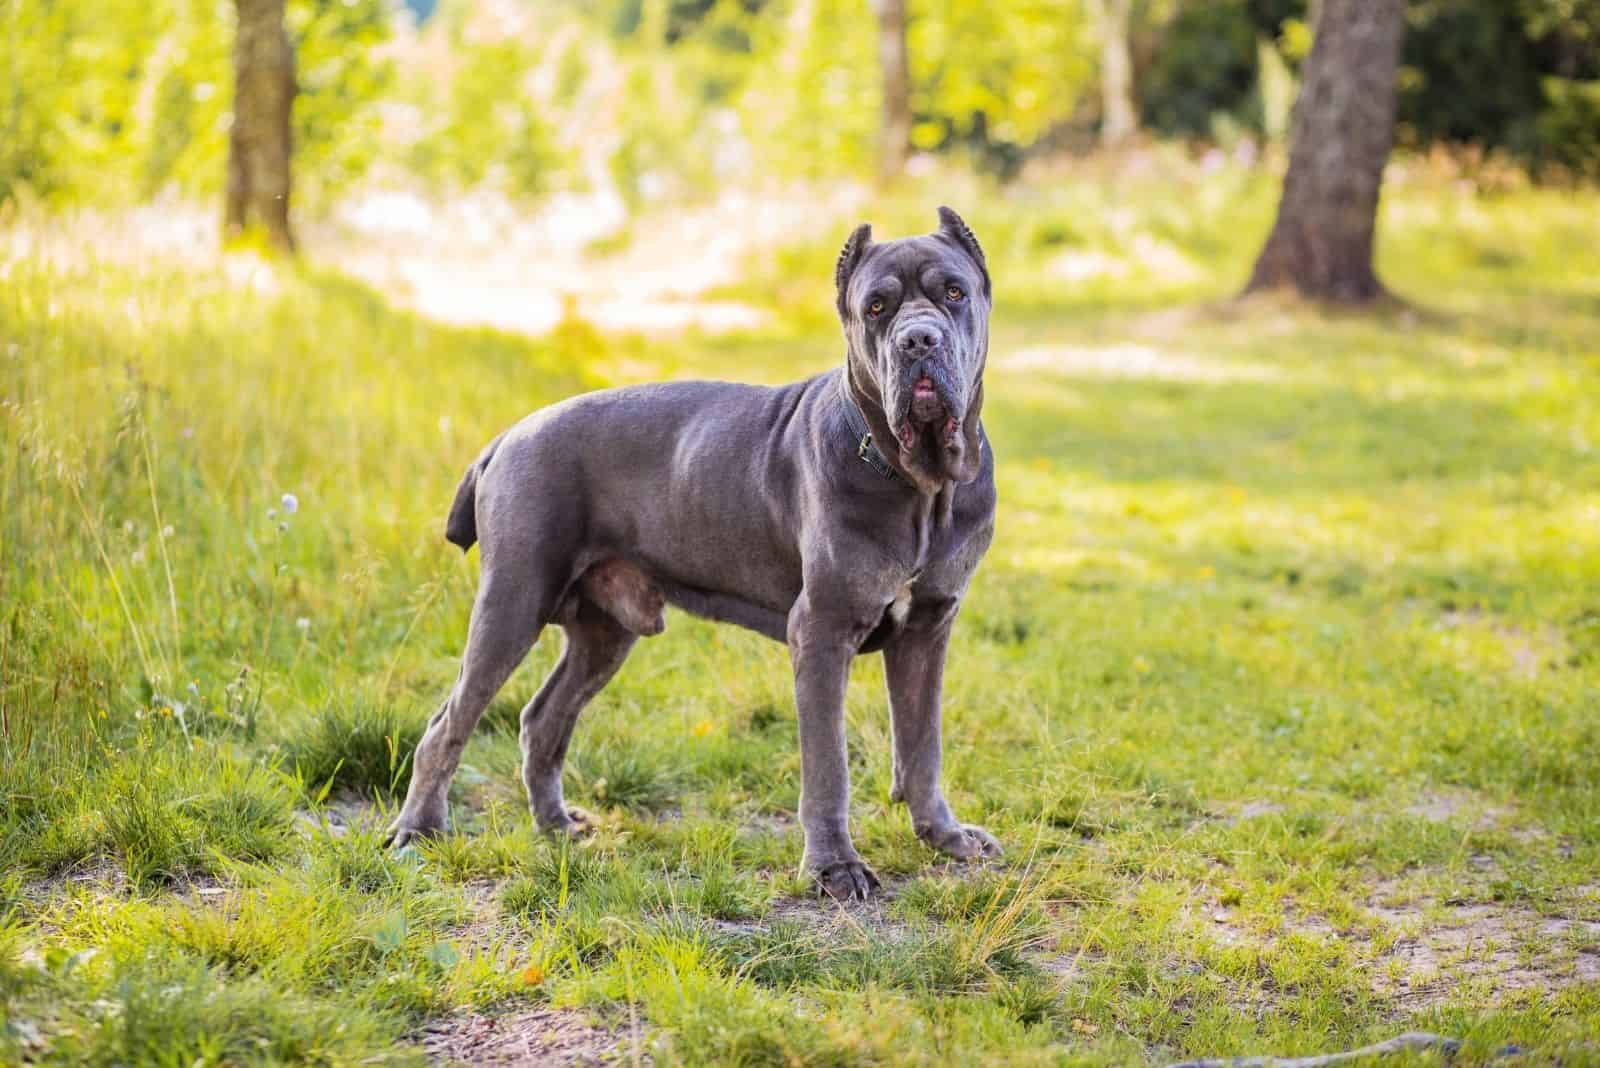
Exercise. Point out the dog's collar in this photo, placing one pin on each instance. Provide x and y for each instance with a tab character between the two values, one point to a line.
860	433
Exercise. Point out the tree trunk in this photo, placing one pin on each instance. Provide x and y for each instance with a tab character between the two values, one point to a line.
895	137
1340	136
259	141
1118	120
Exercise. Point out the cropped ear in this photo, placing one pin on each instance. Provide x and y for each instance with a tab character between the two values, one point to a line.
849	258
952	226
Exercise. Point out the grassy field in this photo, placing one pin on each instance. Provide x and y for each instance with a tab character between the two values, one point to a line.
1279	683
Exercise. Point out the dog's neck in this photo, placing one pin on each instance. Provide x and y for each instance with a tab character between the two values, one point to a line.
862	392
861	434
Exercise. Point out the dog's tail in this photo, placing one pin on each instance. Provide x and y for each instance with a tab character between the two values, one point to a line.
461	527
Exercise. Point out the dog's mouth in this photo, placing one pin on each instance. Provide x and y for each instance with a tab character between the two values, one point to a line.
929	427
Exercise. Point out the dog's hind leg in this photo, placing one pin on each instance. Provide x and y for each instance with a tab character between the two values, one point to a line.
595	647
506	619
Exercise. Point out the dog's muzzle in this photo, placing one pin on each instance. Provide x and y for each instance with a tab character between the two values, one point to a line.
931	404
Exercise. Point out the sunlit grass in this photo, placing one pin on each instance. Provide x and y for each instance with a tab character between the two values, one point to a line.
1285	609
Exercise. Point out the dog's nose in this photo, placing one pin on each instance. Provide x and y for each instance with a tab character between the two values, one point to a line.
918	339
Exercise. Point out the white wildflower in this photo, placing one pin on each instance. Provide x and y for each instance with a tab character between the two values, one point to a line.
167	531
291	504
303	623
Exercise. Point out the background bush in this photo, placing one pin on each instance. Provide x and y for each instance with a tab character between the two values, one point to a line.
117	100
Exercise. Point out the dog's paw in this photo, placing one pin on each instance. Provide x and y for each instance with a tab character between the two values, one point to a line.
846	880
964	842
400	836
577	824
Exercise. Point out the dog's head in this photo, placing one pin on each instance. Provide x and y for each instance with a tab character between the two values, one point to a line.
916	319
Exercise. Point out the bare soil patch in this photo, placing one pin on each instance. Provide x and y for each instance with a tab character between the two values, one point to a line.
825	915
1528	651
1229	813
1440	947
101	874
338	816
1448	805
484	929
539	1036
1426	950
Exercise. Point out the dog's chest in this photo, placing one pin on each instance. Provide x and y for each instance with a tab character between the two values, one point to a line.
930	591
943	561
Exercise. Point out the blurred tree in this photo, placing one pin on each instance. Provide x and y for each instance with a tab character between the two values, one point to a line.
104	101
259	141
813	106
895	138
483	126
1341	134
1118	120
1572	29
1196	64
1000	81
341	73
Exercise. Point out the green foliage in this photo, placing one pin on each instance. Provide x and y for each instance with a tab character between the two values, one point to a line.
996	77
490	131
107	100
623	776
341	81
164	812
688	66
355	747
1539	105
1443	93
1201	64
163	1008
813	102
1567	131
72	76
1206	68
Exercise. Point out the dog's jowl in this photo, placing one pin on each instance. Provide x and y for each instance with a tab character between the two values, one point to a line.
840	515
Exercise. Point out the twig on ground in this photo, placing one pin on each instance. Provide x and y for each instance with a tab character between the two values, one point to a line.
1410	1041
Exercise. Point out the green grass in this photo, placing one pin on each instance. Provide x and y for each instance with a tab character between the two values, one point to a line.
1278	683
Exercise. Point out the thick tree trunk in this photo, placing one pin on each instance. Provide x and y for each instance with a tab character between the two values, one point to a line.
1118	119
1340	136
259	141
895	139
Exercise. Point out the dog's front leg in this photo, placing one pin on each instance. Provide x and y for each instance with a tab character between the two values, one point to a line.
821	651
914	668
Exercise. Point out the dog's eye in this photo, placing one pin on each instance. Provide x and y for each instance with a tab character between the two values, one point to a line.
875	308
953	291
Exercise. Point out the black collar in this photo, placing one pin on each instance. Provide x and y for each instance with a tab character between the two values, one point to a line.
860	433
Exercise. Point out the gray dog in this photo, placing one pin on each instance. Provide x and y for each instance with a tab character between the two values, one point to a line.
843	514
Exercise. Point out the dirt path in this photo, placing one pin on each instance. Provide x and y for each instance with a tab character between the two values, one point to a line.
479	260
